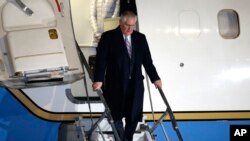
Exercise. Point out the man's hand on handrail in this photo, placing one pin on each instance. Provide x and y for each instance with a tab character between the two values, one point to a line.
97	86
158	84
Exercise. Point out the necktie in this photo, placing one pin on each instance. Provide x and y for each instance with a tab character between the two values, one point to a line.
129	47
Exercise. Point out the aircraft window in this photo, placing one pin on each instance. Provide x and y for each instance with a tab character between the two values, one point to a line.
189	22
228	22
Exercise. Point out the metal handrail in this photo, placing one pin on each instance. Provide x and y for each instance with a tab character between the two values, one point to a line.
152	110
107	111
171	115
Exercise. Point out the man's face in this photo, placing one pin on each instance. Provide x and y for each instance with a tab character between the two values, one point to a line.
127	27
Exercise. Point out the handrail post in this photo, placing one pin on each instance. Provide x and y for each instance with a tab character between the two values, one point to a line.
107	110
171	115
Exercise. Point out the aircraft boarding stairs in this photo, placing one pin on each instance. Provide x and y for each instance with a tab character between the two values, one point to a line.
102	128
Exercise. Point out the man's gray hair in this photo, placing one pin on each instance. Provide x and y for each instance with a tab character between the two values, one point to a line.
126	15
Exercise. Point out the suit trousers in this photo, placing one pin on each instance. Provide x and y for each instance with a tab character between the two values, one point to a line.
130	126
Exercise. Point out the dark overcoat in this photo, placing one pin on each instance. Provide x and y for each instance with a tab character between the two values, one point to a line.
114	67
